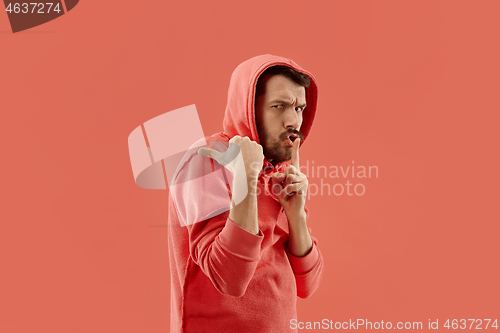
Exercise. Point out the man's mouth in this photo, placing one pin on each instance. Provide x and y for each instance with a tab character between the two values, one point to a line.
290	139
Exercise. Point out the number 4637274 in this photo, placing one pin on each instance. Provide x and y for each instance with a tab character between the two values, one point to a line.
43	8
473	324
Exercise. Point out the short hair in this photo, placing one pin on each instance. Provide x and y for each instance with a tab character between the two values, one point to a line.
288	72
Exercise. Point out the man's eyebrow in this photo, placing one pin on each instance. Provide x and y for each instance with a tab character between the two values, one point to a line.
282	101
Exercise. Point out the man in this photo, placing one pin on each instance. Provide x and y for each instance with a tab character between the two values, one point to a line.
239	266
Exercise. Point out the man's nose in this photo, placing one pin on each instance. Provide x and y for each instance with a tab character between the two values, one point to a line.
292	118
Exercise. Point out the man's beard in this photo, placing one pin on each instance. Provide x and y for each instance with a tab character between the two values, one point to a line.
274	149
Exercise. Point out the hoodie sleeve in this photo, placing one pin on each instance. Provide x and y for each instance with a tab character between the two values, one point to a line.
308	269
226	253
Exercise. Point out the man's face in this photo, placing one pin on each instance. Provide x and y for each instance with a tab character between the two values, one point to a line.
278	114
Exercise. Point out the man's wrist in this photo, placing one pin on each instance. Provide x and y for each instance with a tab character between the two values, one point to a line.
297	218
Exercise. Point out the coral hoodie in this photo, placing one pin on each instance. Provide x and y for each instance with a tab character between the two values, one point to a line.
225	279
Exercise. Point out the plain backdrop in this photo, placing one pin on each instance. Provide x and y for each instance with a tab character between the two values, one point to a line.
411	87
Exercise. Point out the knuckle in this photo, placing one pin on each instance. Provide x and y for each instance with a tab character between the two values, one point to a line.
235	139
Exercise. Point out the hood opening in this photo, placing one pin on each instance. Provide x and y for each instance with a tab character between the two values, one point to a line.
239	118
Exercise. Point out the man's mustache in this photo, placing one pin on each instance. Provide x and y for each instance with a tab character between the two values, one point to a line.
290	132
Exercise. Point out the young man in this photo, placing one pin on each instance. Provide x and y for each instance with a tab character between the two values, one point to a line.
238	267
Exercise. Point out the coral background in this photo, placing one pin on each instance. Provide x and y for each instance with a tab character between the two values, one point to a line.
409	86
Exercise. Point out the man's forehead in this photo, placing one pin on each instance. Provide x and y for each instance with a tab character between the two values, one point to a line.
280	87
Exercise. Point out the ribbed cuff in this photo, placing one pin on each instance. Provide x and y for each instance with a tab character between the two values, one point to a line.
239	241
303	265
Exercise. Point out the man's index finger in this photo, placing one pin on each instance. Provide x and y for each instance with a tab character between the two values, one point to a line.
295	153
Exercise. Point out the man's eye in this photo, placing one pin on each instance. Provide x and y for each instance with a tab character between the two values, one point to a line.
299	109
279	106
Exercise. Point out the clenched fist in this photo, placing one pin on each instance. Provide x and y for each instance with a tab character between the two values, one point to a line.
244	158
249	163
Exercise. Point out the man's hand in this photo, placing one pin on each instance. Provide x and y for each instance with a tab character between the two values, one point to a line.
250	163
253	155
244	158
291	187
291	190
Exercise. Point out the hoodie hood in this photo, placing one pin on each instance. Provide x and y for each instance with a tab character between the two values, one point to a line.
239	118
